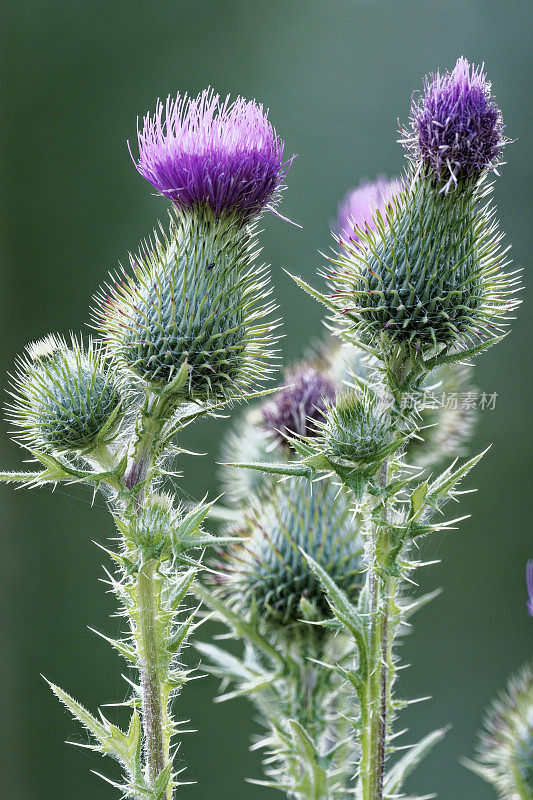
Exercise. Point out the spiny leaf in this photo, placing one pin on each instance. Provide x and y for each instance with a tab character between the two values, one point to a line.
442	485
123	648
243	628
399	772
111	739
462	355
343	609
278	468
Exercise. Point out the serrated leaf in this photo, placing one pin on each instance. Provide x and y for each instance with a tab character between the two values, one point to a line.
162	781
445	482
399	772
313	783
123	648
343	609
181	587
463	354
278	468
111	739
247	630
226	664
417	499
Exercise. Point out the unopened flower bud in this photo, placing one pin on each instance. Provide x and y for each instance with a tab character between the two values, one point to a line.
66	397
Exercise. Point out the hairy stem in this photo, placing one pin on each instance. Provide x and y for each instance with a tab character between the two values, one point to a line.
375	717
152	704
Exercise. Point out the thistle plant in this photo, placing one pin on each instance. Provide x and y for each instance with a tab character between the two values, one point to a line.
185	331
337	481
417	288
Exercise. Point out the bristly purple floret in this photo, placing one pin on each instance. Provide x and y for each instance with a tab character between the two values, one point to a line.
298	406
358	206
205	151
457	128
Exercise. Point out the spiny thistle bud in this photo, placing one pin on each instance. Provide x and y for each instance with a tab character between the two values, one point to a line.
357	428
447	419
456	127
268	572
147	532
429	278
209	153
357	208
425	274
196	297
297	407
66	398
505	752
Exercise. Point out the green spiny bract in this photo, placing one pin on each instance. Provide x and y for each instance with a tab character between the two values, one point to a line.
195	297
162	530
358	428
268	572
429	279
66	398
505	751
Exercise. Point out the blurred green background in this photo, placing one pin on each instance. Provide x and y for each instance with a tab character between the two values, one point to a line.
336	75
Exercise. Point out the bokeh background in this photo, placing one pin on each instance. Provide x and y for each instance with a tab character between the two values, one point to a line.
336	76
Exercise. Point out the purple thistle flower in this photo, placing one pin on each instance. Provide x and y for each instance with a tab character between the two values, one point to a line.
208	152
296	407
529	580
359	205
457	128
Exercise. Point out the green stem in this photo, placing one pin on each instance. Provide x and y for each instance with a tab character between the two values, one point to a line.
151	688
375	721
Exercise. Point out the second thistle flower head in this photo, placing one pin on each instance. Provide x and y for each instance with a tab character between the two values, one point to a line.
195	297
358	206
296	408
268	573
207	152
456	126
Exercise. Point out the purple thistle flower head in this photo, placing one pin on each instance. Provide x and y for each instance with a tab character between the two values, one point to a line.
529	580
205	151
297	407
359	204
457	128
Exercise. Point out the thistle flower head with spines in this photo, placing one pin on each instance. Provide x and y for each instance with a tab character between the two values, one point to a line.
357	427
65	396
359	205
505	751
195	296
268	573
457	131
208	153
430	277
